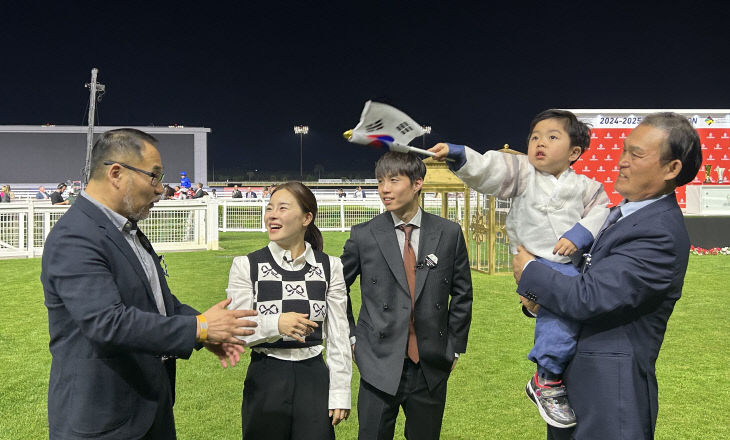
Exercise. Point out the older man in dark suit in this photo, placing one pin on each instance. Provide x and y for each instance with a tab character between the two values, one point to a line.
631	280
416	293
115	328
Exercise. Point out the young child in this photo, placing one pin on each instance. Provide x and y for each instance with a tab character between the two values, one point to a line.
554	213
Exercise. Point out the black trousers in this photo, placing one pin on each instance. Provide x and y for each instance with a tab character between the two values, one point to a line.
286	400
163	427
423	408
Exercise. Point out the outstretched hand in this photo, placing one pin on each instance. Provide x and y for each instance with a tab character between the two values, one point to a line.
441	149
224	325
227	353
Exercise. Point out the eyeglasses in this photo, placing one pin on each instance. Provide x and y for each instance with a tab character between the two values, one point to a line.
156	177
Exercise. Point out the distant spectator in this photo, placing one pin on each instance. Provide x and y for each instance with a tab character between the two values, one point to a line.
57	195
72	194
199	193
341	193
180	193
359	192
250	194
213	194
184	181
236	193
190	192
268	191
42	194
5	194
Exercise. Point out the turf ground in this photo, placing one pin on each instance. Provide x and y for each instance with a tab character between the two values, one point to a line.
486	398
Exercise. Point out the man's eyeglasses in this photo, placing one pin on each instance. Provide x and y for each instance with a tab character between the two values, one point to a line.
156	177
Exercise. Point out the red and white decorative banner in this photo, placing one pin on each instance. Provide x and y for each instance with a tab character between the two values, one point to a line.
611	127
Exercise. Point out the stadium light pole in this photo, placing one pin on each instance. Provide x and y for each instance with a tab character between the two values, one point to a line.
301	130
426	130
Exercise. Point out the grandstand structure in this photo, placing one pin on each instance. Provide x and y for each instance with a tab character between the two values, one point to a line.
47	154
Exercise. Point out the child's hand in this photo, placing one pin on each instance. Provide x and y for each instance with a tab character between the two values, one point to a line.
441	150
564	247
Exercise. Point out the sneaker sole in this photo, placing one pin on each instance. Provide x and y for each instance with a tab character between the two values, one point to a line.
543	414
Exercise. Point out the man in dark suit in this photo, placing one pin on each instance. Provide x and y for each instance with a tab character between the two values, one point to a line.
631	280
115	328
416	293
199	193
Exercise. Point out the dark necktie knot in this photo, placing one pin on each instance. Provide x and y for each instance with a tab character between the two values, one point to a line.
130	226
407	229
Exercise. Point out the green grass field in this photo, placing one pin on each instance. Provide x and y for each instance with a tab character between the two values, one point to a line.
486	398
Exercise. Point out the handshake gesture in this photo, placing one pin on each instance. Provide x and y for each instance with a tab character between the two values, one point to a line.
223	327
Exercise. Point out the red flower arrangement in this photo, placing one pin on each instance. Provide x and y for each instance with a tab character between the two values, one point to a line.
696	250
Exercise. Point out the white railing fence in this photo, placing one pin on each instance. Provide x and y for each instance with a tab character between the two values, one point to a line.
186	225
173	225
332	215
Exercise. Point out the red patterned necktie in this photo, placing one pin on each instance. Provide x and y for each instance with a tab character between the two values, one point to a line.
409	264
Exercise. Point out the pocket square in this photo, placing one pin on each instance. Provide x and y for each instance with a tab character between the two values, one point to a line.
431	260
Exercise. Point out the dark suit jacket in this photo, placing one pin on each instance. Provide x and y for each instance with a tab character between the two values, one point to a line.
623	301
106	335
442	327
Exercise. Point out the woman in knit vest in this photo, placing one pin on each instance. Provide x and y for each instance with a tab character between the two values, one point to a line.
300	296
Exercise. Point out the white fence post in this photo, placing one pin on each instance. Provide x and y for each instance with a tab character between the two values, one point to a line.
30	222
263	213
211	230
225	214
342	215
21	231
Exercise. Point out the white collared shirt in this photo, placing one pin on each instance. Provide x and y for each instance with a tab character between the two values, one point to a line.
415	232
145	258
336	328
627	208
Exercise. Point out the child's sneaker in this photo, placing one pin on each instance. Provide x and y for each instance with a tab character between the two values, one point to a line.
552	401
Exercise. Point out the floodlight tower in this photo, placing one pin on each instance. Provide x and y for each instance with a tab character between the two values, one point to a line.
426	130
301	130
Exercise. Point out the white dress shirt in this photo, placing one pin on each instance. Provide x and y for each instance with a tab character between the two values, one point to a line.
145	258
415	232
336	328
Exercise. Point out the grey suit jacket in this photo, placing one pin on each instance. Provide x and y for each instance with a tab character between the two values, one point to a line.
106	335
443	299
623	302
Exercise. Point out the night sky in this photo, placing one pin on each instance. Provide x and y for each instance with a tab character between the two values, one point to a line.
475	72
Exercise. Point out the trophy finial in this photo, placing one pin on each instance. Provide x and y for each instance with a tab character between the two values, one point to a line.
708	169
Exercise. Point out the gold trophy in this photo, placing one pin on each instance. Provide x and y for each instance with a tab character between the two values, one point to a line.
708	169
720	172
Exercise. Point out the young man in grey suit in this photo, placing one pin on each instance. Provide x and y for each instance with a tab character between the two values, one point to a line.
115	328
631	280
416	294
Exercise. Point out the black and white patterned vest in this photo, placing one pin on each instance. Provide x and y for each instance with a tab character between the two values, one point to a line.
279	291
